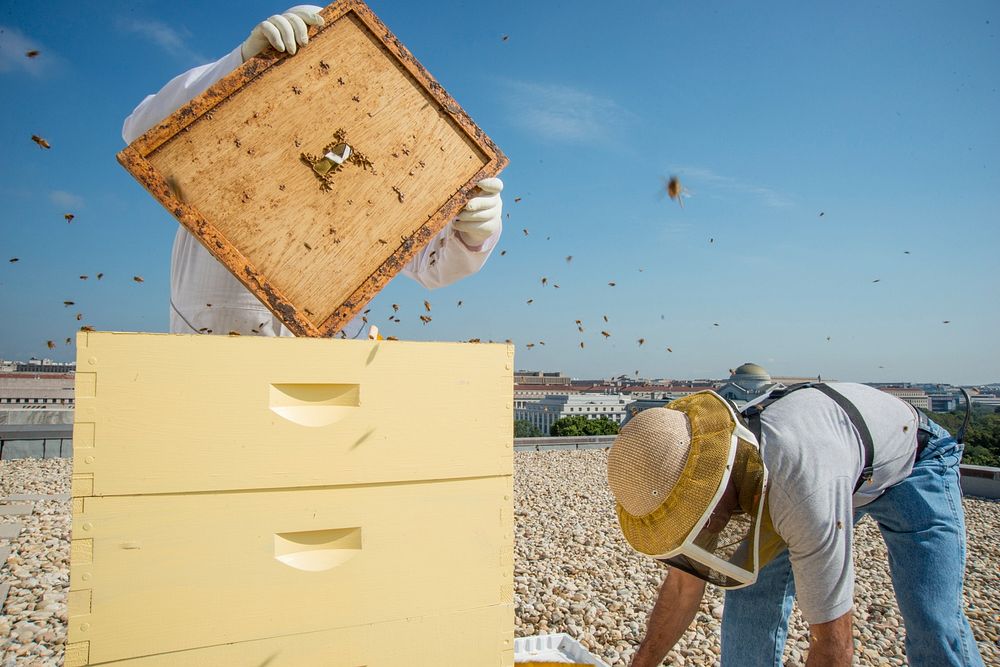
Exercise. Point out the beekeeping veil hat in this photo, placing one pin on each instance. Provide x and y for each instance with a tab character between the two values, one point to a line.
668	469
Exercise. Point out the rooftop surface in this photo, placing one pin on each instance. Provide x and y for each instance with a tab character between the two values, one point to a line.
573	571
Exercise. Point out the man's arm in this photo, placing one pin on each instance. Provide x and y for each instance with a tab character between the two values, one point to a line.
831	644
464	245
680	596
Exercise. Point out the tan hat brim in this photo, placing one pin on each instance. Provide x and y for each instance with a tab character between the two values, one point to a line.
665	528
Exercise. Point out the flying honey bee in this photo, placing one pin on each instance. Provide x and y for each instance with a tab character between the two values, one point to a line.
545	281
427	306
605	318
641	341
68	303
14	260
68	340
675	190
100	275
525	230
41	142
530	301
69	217
475	340
605	334
51	344
425	319
517	200
611	284
581	344
530	345
503	252
669	350
234	333
395	307
569	258
83	277
32	54
79	316
137	279
459	304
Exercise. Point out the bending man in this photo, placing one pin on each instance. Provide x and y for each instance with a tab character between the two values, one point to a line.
770	515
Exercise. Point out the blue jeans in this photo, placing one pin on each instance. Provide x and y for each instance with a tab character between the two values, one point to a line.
923	525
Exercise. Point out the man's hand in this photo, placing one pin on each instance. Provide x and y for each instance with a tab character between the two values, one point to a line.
831	644
285	32
680	596
480	219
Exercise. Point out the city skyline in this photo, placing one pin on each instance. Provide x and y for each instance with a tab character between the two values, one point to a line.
842	180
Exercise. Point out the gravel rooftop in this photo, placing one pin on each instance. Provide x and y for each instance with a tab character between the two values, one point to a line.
573	573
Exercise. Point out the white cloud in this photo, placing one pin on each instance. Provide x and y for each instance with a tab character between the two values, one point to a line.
66	200
173	41
703	180
13	47
563	113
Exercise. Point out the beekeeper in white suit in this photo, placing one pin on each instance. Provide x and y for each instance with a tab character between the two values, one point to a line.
198	279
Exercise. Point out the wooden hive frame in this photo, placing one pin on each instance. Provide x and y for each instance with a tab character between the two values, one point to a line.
288	262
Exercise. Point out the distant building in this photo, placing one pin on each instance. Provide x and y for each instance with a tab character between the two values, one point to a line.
916	397
544	412
943	402
747	383
36	366
986	400
542	378
30	391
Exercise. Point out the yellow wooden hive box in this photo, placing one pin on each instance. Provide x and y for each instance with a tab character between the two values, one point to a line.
291	501
239	166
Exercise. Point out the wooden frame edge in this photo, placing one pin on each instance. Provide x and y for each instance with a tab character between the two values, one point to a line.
217	244
133	159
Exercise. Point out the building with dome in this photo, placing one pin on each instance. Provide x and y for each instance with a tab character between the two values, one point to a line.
747	383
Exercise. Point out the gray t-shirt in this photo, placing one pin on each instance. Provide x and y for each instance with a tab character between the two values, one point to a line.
814	457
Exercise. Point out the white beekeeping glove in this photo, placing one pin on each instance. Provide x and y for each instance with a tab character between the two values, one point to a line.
285	32
480	219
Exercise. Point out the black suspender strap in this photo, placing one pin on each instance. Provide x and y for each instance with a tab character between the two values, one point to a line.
752	415
859	423
960	436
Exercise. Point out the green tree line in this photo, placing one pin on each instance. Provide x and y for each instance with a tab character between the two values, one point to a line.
982	438
567	426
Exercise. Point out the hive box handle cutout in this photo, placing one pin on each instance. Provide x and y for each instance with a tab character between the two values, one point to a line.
317	550
316	404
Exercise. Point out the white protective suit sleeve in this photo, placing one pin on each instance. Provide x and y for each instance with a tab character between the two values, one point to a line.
205	297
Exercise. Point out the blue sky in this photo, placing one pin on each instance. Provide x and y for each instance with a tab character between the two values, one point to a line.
882	118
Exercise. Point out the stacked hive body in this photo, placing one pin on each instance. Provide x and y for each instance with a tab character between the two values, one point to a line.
252	501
